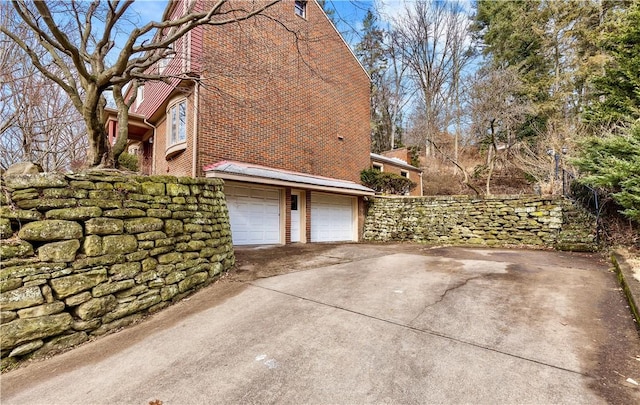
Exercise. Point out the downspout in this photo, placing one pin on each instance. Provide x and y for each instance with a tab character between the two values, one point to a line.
421	189
153	158
194	167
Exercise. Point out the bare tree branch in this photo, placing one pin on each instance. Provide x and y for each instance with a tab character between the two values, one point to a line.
74	51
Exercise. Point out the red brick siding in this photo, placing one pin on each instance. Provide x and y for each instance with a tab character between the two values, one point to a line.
362	212
287	209
267	101
307	198
402	153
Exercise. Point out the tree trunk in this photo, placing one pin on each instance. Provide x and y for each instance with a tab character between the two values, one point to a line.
491	159
120	145
99	153
491	156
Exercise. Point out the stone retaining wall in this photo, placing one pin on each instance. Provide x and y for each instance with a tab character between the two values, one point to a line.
505	220
83	254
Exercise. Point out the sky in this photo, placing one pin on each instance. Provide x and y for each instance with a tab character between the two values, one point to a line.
349	13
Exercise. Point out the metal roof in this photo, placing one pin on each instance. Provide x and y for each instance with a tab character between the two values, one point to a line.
395	161
240	171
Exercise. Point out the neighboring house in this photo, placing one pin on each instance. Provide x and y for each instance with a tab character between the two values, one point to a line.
395	161
284	120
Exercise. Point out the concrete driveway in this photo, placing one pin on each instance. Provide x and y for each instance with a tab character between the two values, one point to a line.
359	323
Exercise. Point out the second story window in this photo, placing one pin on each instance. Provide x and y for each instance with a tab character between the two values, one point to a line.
164	62
140	95
404	173
177	118
301	8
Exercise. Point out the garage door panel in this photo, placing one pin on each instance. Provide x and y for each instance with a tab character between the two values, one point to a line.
237	191
331	218
254	214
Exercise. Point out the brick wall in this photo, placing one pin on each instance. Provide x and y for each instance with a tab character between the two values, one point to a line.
271	98
401	153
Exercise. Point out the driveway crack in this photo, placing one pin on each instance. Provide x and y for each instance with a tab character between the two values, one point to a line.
443	296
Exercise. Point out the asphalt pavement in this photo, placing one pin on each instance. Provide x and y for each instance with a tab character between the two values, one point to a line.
348	324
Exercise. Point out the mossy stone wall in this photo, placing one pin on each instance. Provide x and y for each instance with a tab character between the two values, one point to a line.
83	254
464	220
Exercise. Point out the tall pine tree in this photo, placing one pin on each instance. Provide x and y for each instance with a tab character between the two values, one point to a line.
617	91
373	56
610	158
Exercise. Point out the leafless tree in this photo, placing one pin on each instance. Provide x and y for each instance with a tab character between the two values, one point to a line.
496	113
85	34
435	42
38	122
399	94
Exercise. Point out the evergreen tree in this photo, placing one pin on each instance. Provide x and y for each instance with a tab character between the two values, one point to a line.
551	44
372	54
618	89
512	33
613	164
612	161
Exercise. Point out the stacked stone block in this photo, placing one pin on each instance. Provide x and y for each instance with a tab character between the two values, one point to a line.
464	220
83	254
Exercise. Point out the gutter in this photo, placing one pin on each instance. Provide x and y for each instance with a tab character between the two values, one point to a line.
153	158
196	98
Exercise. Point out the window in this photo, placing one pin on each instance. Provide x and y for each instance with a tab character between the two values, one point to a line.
301	8
177	118
140	95
404	173
377	166
164	62
294	202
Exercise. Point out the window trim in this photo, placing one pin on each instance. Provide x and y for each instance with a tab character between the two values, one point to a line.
404	173
139	95
164	63
176	145
377	166
300	8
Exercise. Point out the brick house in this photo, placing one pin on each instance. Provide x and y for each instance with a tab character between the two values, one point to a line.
282	118
395	161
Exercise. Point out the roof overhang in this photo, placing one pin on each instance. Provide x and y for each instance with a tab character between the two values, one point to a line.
139	128
393	161
239	171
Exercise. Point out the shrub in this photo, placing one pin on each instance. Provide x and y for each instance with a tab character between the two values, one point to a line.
129	161
386	183
613	163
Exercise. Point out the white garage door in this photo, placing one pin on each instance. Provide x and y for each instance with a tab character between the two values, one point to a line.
331	218
254	213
